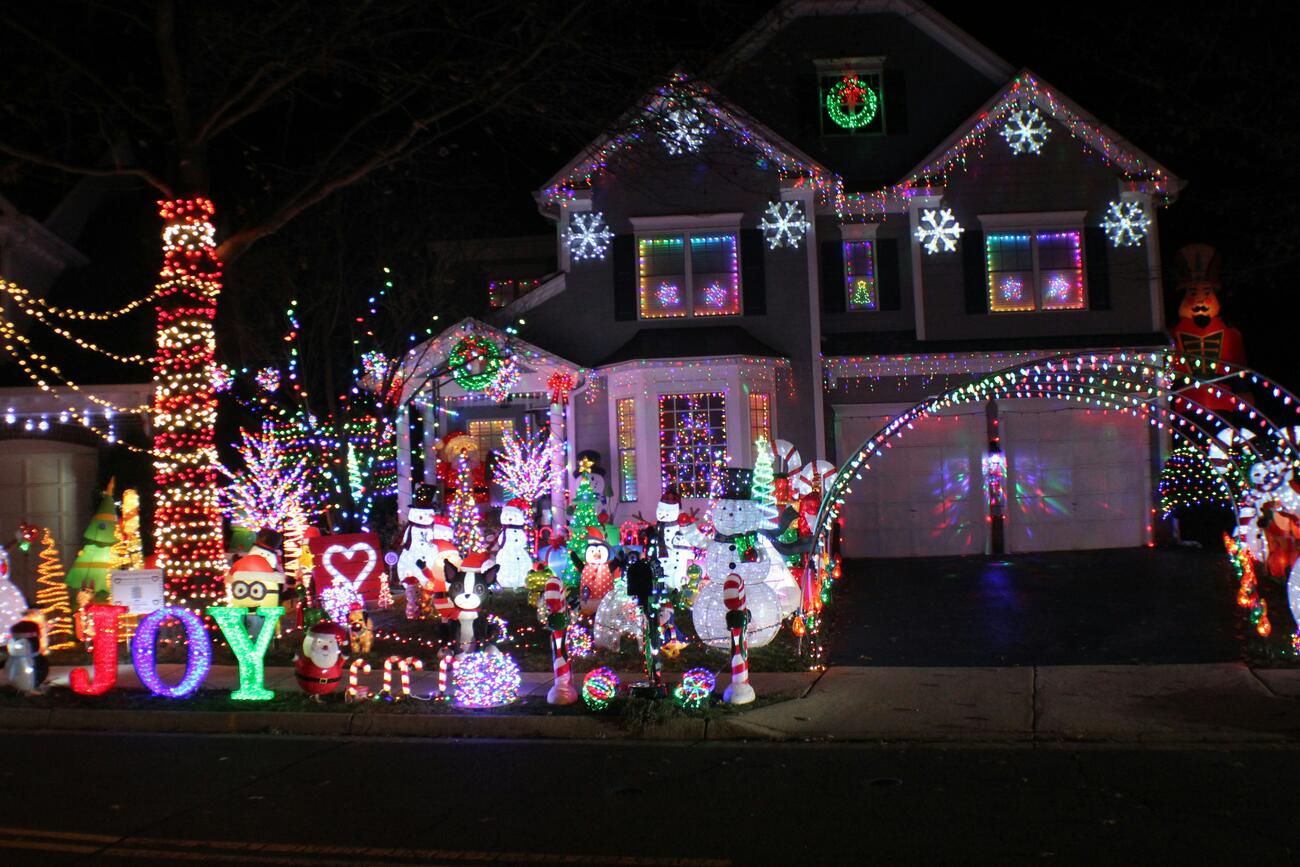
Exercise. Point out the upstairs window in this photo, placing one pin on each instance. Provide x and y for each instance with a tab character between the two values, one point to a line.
1035	271
760	416
860	276
688	275
693	441
501	293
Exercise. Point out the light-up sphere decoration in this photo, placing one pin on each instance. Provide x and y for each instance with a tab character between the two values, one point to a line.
710	616
599	688
485	679
267	379
696	687
617	616
198	646
578	641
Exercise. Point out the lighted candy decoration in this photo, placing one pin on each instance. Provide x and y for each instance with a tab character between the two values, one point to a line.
103	652
787	456
445	662
739	691
578	641
815	475
696	687
198	652
250	653
599	688
356	692
403	666
488	678
617	616
709	613
561	691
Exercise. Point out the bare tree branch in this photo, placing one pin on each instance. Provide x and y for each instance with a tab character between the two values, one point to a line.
121	171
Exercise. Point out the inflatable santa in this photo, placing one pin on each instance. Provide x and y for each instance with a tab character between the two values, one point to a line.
319	667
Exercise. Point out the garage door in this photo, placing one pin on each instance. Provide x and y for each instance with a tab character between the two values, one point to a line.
924	496
49	484
1078	478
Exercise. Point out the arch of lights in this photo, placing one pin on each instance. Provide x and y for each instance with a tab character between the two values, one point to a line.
1157	386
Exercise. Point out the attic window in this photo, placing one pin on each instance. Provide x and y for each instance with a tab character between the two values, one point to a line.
851	96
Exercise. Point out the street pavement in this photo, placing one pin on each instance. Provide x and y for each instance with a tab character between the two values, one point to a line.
168	799
1109	607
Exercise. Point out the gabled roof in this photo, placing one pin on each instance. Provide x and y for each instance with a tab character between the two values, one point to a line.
641	125
921	15
1024	91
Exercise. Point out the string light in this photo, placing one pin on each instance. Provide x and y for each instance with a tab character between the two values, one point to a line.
52	595
103	651
485	679
144	650
599	688
250	653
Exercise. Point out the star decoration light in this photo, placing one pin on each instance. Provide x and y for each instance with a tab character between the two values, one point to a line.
1026	131
783	224
588	237
683	131
1126	223
939	231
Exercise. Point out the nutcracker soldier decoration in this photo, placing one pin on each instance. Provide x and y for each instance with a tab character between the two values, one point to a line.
1200	333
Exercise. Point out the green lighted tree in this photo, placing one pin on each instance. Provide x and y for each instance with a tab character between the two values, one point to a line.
764	487
584	516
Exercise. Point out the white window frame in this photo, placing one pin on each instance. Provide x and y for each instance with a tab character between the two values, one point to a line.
645	228
1034	224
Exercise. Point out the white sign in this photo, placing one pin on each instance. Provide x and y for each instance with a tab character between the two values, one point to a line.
140	590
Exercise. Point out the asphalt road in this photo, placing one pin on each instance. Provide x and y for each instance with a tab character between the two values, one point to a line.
1119	606
167	799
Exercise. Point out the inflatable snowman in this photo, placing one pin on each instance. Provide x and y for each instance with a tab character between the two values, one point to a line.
736	545
512	546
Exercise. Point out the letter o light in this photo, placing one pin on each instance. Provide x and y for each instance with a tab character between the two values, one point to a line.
144	647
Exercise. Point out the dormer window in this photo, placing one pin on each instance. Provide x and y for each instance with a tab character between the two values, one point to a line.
851	96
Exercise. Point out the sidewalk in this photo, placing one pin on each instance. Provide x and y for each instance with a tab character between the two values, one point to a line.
1210	703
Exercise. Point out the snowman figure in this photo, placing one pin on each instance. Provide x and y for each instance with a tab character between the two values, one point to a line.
512	546
12	601
736	545
418	537
26	669
674	551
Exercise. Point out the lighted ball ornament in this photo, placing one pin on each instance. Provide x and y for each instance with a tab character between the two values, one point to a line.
695	689
599	688
485	679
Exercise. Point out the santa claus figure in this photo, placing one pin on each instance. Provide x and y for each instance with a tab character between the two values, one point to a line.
512	553
319	667
1200	334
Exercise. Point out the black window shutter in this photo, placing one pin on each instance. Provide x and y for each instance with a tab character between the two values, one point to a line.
833	277
624	277
888	278
895	87
972	254
1097	252
752	279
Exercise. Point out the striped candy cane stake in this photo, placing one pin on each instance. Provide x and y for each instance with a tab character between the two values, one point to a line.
405	667
739	691
356	692
562	691
445	662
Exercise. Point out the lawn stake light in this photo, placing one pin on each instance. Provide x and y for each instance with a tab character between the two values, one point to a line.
739	690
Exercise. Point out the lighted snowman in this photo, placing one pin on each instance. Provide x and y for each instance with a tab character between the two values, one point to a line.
736	545
512	546
675	552
418	542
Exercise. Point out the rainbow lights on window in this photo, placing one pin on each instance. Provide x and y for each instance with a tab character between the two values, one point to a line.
625	412
689	275
1042	271
693	441
860	275
760	415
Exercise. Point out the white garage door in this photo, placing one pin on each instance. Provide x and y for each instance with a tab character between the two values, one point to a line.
46	483
1078	478
922	497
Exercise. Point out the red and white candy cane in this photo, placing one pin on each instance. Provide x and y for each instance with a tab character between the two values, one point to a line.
356	692
739	691
445	662
403	667
562	691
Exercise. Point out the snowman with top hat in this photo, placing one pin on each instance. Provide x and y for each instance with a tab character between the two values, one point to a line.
738	544
673	551
512	553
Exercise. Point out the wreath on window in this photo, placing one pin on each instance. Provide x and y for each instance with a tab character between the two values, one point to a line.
851	103
474	362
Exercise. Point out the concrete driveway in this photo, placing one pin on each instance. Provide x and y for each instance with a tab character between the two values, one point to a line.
1117	606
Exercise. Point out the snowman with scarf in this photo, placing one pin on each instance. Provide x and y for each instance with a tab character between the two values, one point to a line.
418	540
512	545
674	552
737	544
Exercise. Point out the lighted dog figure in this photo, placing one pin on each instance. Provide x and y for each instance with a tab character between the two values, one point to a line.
461	599
252	583
361	631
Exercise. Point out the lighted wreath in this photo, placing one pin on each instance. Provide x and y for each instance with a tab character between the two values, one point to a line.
850	103
475	363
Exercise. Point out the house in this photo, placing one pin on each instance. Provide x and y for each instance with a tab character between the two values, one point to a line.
858	206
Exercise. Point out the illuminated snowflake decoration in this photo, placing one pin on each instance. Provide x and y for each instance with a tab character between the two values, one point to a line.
783	224
939	231
715	295
668	294
588	237
683	131
1026	131
1126	223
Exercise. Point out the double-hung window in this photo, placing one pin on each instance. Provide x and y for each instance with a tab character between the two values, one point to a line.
1035	268
689	274
860	276
625	416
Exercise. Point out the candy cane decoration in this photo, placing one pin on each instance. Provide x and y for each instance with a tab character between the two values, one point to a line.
445	662
562	691
739	691
788	456
404	667
356	692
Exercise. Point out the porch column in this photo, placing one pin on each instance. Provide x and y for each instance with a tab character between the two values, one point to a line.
557	429
428	414
403	460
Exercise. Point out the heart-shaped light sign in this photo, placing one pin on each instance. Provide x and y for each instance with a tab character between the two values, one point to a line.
348	561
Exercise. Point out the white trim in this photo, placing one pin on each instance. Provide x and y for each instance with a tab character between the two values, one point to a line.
545	291
1060	220
859	231
686	222
914	207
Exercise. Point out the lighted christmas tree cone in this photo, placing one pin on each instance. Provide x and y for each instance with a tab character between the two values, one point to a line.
97	557
562	691
739	691
52	594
